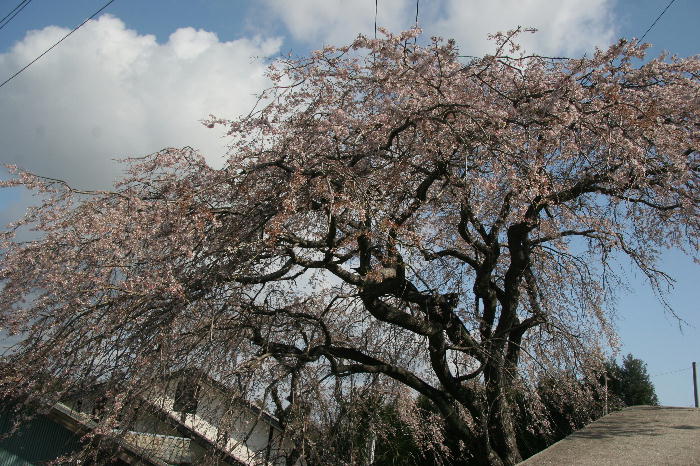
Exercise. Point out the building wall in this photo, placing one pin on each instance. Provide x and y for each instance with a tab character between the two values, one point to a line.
246	433
229	424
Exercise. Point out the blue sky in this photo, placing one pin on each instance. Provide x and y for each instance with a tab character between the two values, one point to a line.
141	77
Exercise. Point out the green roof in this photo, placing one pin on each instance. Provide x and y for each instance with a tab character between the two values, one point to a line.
38	440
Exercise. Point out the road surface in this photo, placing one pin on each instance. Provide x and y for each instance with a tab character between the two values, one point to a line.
638	435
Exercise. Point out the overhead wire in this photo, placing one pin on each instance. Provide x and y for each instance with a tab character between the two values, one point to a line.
678	371
656	20
21	6
415	39
13	10
58	42
375	17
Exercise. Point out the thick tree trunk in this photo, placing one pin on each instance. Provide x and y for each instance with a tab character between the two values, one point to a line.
500	429
503	436
477	451
494	443
497	422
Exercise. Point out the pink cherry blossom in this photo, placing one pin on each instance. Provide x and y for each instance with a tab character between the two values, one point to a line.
392	218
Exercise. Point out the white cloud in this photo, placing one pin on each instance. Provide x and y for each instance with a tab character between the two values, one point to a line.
565	26
107	92
338	22
568	27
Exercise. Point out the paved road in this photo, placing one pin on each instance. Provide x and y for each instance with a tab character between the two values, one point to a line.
639	435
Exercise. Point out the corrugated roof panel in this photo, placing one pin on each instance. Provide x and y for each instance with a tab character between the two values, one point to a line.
38	440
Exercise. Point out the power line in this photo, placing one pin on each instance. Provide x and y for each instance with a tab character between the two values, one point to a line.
13	10
415	39
671	372
21	6
657	19
375	17
54	45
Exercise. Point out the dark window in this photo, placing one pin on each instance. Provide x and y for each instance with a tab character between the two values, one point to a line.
98	406
186	397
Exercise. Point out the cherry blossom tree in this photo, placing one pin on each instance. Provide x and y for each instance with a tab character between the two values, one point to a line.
393	216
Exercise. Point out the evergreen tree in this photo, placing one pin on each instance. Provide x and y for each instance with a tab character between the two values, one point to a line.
631	383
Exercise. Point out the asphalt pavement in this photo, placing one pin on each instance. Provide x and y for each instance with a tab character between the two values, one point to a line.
638	435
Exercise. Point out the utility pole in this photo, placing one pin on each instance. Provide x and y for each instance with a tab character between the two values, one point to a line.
695	383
